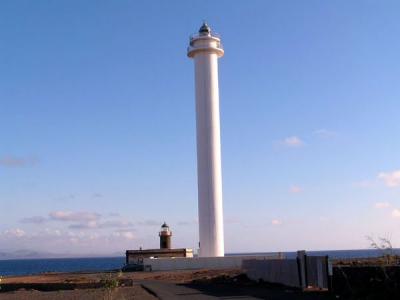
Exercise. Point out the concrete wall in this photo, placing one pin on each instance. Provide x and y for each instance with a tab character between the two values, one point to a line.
180	263
303	272
284	271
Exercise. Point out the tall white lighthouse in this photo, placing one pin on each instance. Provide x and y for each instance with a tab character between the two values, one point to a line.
205	48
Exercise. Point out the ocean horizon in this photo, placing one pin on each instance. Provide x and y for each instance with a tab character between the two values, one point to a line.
32	266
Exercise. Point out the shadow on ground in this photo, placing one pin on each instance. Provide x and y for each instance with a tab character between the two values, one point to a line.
256	290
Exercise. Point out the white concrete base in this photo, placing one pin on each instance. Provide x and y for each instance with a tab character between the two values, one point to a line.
183	263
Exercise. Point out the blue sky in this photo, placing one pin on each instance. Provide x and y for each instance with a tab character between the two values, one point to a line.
97	123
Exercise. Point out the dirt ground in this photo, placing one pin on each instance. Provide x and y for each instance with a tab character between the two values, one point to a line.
170	276
66	286
135	292
226	284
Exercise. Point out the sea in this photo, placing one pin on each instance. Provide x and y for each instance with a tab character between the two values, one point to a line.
15	267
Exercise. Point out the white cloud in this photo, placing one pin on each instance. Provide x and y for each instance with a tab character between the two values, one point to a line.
87	225
104	224
55	232
382	205
126	234
69	216
50	239
396	213
295	189
14	233
293	141
276	222
85	220
391	179
150	223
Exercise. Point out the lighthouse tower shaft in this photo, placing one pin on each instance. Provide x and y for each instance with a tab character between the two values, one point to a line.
205	48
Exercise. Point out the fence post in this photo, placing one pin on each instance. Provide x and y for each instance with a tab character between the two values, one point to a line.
301	263
329	275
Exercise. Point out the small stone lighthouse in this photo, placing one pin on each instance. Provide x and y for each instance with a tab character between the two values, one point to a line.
165	237
135	258
205	48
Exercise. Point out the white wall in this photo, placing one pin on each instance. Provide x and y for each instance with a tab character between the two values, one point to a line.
182	263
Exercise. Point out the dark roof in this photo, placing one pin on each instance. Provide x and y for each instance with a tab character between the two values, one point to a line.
164	225
205	29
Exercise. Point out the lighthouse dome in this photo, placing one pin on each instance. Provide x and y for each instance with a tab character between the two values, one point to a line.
205	29
164	225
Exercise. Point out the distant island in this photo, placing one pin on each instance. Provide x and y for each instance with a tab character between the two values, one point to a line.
32	254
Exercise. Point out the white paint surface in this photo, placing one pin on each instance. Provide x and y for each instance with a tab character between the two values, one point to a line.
205	50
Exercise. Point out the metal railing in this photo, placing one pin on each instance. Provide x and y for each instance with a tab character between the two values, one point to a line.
219	45
196	35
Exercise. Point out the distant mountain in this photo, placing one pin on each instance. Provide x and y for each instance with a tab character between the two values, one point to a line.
18	254
32	254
